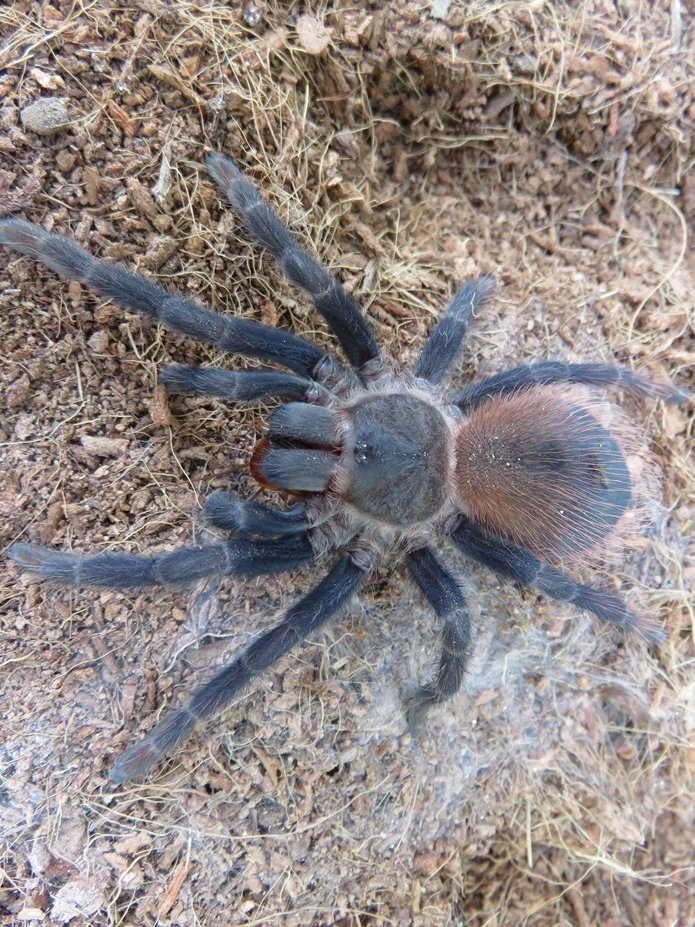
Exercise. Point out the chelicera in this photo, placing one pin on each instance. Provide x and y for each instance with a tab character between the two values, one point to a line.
515	470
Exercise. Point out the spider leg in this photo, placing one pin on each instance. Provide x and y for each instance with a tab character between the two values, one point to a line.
295	469
444	343
548	372
444	595
512	562
331	300
135	292
238	386
239	557
305	617
231	514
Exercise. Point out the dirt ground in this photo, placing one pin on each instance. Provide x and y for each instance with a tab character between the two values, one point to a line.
410	146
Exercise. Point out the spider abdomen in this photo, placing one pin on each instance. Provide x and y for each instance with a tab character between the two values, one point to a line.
539	469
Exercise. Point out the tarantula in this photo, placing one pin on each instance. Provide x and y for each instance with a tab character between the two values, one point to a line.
513	469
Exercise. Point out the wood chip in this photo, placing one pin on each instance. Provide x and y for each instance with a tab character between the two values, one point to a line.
169	77
369	238
104	447
159	408
92	182
141	198
80	897
121	118
161	248
173	890
46	80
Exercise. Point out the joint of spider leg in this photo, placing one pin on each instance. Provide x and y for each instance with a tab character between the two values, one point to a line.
364	554
373	372
337	380
325	370
318	394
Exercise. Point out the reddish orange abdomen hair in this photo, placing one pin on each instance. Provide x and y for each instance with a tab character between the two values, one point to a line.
539	469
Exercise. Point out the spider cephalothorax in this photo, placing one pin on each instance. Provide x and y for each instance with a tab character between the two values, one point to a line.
516	469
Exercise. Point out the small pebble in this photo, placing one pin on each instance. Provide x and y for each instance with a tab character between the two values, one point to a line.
252	15
46	116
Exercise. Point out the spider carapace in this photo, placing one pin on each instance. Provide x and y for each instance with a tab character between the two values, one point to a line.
515	470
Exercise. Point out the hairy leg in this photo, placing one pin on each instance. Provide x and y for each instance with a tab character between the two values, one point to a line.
444	343
548	372
238	386
134	571
444	595
247	518
512	562
338	309
305	617
135	292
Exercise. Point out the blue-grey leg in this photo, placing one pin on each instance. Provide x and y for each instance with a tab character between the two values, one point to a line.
239	557
444	343
249	518
137	293
235	385
305	617
550	372
338	309
512	562
444	595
